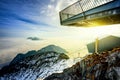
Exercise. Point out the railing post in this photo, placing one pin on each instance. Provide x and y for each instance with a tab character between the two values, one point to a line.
82	10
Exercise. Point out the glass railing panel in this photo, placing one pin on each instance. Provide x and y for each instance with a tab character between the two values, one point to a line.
81	6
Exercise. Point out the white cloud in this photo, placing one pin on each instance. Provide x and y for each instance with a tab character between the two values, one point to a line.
17	45
61	4
50	6
51	11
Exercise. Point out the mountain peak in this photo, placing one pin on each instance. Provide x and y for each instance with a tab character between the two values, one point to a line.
52	48
33	65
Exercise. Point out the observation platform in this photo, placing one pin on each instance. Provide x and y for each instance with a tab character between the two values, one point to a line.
85	13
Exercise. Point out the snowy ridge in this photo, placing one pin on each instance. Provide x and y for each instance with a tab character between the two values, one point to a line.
37	66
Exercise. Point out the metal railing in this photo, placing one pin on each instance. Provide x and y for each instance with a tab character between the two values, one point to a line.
80	7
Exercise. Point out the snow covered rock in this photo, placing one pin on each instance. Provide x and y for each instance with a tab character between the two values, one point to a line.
36	66
103	66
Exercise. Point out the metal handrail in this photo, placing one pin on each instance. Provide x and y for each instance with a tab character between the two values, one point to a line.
80	7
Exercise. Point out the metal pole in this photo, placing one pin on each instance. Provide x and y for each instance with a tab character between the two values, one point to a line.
96	45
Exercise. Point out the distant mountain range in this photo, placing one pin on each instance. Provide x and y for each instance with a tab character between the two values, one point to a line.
4	64
36	64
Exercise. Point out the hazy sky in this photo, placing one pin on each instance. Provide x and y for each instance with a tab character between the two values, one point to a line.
32	24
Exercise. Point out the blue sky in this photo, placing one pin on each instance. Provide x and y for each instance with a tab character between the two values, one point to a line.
20	19
20	15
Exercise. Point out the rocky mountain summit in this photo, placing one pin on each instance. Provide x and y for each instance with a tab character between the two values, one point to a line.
102	66
36	64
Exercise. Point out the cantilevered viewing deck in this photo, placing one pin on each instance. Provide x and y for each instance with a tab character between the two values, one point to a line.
91	13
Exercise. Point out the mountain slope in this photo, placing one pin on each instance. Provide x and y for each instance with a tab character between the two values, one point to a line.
54	48
21	56
104	66
38	65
